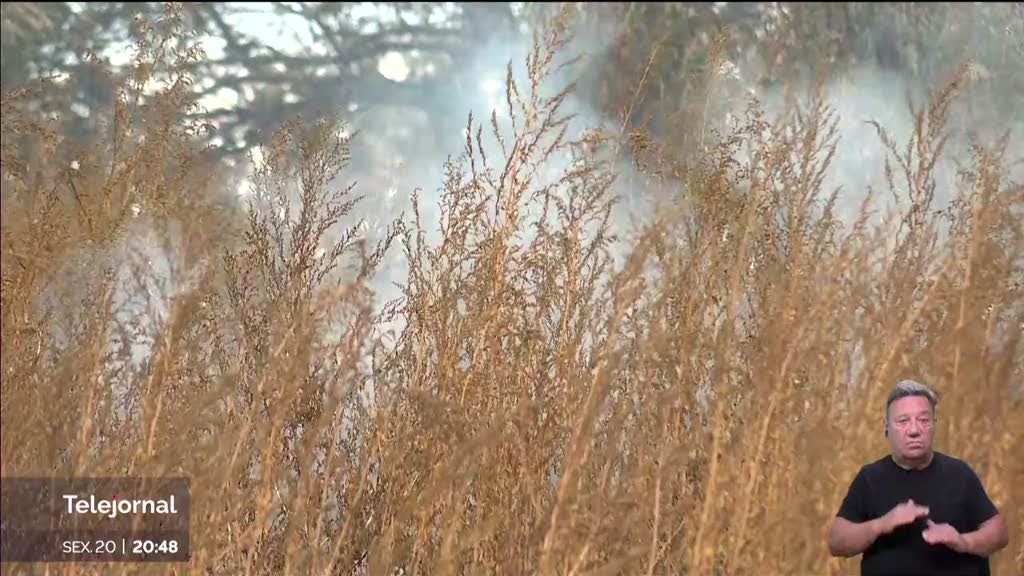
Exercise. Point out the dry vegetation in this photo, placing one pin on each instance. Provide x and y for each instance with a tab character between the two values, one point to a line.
698	409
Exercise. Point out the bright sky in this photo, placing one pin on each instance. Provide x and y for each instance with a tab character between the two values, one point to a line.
289	33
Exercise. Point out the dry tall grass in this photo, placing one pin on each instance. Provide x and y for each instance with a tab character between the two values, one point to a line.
699	409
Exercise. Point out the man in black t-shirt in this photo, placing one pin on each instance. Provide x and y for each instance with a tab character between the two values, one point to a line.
917	511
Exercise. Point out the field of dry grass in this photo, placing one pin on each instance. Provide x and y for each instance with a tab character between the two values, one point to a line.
695	404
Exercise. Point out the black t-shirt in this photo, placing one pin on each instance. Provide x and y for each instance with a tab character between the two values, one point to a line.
953	494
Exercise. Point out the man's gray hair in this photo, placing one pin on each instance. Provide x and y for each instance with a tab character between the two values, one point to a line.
906	388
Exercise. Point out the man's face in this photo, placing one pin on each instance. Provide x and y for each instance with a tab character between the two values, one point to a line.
911	427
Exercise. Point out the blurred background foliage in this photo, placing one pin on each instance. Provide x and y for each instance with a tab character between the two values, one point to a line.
304	58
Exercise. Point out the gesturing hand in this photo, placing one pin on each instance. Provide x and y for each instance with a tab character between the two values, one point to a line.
901	514
944	534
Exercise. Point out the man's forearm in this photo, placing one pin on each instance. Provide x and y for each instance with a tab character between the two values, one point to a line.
988	539
850	538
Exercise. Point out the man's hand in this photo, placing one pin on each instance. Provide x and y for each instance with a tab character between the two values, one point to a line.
904	513
944	534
